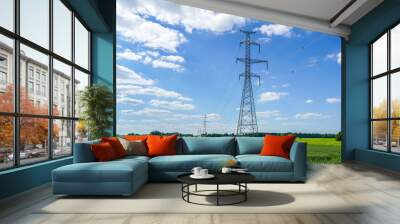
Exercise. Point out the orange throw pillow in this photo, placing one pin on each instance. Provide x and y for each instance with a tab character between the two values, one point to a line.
161	145
103	152
136	137
277	145
116	145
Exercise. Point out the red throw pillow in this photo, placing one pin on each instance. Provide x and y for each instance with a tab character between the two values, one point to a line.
161	145
277	145
116	145
103	152
136	137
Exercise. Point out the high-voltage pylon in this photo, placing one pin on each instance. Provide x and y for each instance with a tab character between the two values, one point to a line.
247	123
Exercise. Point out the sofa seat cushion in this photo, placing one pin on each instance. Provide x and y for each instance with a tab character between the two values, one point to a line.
257	163
185	163
112	171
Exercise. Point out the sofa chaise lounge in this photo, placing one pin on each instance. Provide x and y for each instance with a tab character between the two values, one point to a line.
125	176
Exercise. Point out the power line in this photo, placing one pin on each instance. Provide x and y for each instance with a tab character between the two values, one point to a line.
247	123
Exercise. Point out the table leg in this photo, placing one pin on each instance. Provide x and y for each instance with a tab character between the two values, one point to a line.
217	194
195	188
245	193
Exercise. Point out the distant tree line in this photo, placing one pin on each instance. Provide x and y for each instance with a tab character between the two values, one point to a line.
260	134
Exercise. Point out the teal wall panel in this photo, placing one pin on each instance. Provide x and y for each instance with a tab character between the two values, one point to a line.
356	97
24	178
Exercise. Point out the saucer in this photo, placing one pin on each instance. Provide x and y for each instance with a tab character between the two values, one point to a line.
208	176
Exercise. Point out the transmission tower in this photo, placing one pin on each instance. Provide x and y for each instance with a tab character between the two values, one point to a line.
247	123
205	124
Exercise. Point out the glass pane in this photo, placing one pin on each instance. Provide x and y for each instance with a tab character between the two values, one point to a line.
395	136
62	29
35	21
33	139
62	89
81	45
6	142
379	135
81	82
379	55
6	74
395	47
7	14
34	97
379	97
62	138
395	94
81	131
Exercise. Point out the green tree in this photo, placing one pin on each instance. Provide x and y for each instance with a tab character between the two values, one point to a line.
97	109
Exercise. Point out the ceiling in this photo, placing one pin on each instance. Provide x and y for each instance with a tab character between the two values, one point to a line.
328	16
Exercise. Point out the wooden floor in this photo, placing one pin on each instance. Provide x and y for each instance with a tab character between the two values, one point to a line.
379	189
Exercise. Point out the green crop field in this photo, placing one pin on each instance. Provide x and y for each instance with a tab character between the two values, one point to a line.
322	150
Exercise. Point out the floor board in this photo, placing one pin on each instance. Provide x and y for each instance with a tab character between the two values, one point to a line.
378	188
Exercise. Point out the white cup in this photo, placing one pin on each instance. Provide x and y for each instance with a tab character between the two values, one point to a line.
203	172
196	171
226	170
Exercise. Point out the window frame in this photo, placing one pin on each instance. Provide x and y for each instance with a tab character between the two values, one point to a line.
388	74
16	114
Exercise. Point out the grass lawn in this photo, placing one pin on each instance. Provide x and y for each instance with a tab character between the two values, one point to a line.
322	150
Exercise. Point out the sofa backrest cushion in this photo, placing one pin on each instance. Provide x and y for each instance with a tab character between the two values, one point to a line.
207	145
83	152
249	145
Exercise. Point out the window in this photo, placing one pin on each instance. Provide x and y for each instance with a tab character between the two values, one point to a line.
62	29
81	82
46	75
7	14
35	21
30	87
81	45
62	74
6	142
6	74
385	91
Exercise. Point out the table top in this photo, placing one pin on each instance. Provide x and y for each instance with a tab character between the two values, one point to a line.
220	178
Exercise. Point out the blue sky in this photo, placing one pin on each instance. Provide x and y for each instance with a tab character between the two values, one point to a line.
176	63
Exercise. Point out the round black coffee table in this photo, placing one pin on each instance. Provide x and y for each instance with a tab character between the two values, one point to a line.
238	179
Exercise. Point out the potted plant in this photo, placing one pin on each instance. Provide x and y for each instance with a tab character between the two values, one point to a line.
97	104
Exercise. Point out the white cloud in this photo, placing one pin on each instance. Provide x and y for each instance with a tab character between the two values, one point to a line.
165	64
128	76
189	17
171	105
281	119
308	116
150	112
210	117
285	85
275	30
153	58
173	58
309	101
332	100
133	28
150	91
129	101
264	40
335	56
268	114
312	62
271	96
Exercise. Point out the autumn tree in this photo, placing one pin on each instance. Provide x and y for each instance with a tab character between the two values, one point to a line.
380	127
33	131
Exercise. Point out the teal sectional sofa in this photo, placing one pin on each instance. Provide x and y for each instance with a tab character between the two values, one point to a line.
125	176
